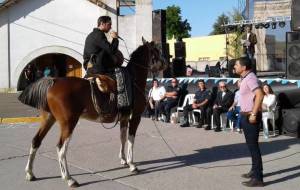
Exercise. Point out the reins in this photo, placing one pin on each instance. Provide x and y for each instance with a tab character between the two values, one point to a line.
96	106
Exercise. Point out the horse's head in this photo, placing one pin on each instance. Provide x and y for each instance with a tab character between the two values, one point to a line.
156	61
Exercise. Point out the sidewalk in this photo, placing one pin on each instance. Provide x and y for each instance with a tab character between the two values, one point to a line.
168	157
13	111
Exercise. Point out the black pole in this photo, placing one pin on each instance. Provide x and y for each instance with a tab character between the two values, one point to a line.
226	44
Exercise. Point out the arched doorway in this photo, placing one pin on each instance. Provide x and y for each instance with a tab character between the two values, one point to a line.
49	65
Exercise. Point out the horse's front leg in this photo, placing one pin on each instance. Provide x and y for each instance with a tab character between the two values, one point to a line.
123	137
133	125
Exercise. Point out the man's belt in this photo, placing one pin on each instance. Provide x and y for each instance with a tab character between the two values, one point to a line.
248	113
245	113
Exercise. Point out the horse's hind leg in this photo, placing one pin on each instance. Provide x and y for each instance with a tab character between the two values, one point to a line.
47	120
133	125
123	137
67	128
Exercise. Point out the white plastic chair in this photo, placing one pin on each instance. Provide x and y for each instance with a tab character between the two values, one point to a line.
270	114
188	100
196	111
223	126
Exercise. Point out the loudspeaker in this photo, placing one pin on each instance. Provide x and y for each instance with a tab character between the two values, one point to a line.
295	22
180	49
159	32
159	26
214	71
293	55
291	122
179	67
288	98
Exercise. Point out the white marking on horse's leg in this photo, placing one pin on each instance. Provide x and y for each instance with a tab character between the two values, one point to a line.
62	152
132	166
123	137
29	173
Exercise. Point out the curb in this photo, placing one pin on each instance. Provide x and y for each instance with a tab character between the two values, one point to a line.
19	120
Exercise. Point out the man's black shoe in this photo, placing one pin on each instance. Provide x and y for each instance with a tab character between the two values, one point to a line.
247	175
253	183
218	129
198	126
185	125
208	127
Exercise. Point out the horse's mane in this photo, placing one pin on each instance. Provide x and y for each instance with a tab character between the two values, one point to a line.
136	55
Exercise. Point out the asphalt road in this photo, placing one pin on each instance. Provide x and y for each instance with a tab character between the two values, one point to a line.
169	157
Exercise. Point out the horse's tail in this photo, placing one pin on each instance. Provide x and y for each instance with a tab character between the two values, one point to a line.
35	94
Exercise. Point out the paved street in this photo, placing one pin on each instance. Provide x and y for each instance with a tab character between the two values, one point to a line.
168	157
11	107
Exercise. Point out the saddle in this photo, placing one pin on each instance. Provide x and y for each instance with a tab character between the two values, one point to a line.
111	96
103	92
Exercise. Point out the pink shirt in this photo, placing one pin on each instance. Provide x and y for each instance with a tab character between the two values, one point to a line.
248	85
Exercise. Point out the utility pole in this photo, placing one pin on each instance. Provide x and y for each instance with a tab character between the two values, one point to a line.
247	9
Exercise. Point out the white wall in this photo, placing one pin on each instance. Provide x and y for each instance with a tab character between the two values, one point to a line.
143	20
4	49
133	27
127	31
42	24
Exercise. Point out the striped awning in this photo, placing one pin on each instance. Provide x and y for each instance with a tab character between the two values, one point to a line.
127	3
7	3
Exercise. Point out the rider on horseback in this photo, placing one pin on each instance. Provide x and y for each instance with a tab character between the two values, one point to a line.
96	44
102	57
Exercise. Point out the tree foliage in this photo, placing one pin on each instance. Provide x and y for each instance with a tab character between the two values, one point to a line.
234	39
218	25
176	27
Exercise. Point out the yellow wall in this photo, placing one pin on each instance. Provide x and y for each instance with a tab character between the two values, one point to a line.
206	46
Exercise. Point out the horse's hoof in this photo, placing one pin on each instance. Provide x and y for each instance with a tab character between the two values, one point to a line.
30	177
124	163
75	184
72	183
135	170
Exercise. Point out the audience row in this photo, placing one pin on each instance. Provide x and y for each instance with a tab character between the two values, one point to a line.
205	105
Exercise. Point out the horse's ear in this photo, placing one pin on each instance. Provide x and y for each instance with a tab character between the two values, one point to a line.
143	40
152	43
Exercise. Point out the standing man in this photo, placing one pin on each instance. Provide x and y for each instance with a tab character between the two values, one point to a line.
251	97
248	41
222	104
201	100
98	48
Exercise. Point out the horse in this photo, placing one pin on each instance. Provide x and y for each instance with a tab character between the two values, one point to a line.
65	100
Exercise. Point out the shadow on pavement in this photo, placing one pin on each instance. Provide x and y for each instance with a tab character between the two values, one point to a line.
220	153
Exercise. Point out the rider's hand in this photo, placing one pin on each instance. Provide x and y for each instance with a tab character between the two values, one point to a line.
114	34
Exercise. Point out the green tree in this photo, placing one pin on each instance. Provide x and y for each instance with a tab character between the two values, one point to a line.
218	27
175	26
235	47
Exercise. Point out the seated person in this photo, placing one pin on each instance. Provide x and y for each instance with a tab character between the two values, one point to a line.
201	99
233	113
171	98
268	104
189	71
156	94
222	103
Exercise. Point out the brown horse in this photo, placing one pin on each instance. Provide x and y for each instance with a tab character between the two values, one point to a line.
65	100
